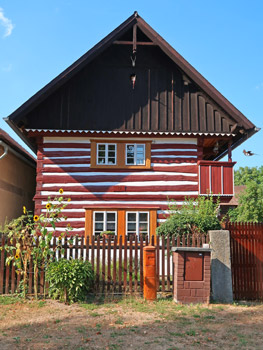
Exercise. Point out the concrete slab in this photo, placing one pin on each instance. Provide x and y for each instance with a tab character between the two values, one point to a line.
221	277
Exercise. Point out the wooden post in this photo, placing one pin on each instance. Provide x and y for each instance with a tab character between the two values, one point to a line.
229	151
149	273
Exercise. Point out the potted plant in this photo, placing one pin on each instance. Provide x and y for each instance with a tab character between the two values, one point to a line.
107	234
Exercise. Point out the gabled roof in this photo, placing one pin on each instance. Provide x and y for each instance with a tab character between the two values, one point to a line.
240	120
15	146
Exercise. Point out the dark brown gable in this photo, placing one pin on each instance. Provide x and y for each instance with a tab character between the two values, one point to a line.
101	97
96	92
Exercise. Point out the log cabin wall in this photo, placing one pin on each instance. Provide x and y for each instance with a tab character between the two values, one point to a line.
64	162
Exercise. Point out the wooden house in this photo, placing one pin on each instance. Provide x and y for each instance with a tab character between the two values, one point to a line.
17	179
126	127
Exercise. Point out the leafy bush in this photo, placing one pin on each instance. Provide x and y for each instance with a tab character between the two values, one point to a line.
69	280
194	216
250	204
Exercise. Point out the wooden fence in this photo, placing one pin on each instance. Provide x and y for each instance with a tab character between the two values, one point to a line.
117	264
247	260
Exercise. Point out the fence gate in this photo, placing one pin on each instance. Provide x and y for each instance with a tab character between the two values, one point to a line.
247	260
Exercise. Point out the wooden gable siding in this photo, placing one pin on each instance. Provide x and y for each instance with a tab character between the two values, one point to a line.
64	162
101	97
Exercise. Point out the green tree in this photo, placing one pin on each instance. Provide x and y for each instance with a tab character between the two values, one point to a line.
250	200
243	176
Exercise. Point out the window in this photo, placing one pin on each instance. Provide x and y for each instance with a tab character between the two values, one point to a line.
104	221
122	221
135	154
137	223
120	154
106	154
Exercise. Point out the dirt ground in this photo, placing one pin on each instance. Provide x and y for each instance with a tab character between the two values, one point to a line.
128	324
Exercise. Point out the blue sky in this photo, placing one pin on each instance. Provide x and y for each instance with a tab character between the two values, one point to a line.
221	39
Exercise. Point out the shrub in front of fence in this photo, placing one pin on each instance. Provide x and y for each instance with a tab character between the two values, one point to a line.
195	216
69	280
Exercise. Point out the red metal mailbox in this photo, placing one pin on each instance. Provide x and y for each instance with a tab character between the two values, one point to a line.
193	266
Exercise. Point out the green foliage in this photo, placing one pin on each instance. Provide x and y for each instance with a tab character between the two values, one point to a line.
250	200
244	176
30	239
250	204
110	233
195	216
70	280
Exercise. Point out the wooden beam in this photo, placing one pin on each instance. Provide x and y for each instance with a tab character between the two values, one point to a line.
134	39
143	43
229	151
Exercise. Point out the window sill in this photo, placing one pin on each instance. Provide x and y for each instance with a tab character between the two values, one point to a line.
121	167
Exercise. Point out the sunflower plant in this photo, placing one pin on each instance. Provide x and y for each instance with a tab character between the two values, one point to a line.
30	236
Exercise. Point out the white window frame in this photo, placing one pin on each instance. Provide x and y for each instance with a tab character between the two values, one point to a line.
135	153
137	222
105	220
106	153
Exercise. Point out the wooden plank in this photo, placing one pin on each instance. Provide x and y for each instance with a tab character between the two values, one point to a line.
216	180
136	264
18	280
130	265
97	284
92	251
2	265
254	262
188	240
103	263
13	277
125	265
168	259
87	248
120	264
174	244
82	248
228	177
163	264
158	262
141	264
114	263
193	240
71	249
204	179
88	223
30	277
7	272
109	265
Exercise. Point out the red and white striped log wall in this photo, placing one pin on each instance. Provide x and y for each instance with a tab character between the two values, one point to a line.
64	162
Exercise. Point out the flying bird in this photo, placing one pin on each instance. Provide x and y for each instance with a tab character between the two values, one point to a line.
249	153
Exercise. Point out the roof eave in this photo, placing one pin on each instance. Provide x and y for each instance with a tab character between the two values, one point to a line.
21	135
242	139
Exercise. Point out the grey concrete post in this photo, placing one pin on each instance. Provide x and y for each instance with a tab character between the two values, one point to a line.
221	276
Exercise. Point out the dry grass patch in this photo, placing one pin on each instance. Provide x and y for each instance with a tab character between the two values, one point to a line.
128	323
